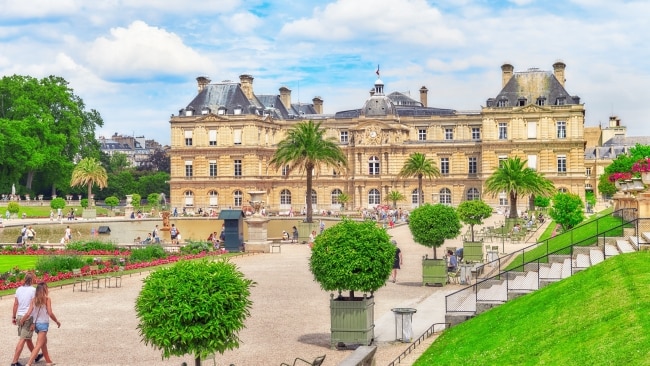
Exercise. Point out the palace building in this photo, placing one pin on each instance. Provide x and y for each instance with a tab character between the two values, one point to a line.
223	139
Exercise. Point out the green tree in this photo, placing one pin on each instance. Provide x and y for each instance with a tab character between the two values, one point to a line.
473	213
417	165
136	200
590	198
84	202
305	148
194	307
156	182
352	256
118	163
542	202
394	197
112	201
57	203
89	172
153	199
516	179
567	210
430	225
13	208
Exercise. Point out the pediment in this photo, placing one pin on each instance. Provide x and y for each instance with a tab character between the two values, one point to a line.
531	108
211	117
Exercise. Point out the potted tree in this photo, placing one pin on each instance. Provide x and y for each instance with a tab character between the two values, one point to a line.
430	225
352	256
112	202
473	213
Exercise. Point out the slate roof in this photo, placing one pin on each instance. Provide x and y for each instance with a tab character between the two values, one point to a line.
225	94
529	86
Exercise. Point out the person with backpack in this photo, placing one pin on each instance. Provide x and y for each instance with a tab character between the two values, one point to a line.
174	234
154	235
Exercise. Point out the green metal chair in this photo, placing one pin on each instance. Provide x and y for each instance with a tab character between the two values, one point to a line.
318	361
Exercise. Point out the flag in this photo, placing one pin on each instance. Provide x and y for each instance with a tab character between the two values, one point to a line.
377	72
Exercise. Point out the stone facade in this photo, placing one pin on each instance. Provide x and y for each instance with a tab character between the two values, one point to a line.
222	142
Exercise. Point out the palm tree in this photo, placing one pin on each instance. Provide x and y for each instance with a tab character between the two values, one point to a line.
306	148
417	165
395	196
89	172
514	177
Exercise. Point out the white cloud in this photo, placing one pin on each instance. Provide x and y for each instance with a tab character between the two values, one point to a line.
21	9
142	52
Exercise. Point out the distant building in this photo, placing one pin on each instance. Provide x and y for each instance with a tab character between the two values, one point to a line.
223	139
137	149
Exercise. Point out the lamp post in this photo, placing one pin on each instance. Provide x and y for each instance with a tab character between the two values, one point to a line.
503	238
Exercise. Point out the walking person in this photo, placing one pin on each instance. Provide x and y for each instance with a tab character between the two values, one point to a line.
173	232
41	311
397	264
22	300
294	235
155	236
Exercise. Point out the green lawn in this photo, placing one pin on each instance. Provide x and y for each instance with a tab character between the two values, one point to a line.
8	262
44	211
596	317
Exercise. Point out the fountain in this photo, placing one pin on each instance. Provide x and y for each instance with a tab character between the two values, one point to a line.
257	225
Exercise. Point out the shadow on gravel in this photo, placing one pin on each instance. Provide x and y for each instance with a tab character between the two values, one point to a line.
316	339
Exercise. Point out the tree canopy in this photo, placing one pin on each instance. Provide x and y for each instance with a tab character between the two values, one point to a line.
305	149
430	225
473	212
44	126
567	210
89	172
418	165
515	178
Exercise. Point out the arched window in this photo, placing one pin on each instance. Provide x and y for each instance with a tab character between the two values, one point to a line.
238	198
472	194
285	197
374	197
189	198
373	165
213	198
314	197
335	196
563	190
415	196
445	196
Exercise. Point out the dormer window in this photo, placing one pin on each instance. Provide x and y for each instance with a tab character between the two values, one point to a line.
503	102
560	101
189	112
541	101
221	111
237	110
521	102
205	110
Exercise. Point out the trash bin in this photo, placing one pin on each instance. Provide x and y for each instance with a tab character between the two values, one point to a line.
404	324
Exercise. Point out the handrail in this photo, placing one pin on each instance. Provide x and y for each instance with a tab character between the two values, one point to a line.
431	330
506	273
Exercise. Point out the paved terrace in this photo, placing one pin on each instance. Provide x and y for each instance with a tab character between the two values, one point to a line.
290	315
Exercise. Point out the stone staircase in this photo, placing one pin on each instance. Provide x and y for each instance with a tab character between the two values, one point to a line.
490	293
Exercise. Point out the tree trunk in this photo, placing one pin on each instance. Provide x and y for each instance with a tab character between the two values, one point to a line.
513	205
420	191
471	228
53	189
90	201
30	179
310	213
435	254
197	361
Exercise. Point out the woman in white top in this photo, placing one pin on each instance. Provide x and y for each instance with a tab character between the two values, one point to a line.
41	311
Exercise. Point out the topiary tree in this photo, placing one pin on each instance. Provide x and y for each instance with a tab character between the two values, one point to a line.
153	199
84	202
13	208
567	210
57	203
430	225
136	200
473	213
112	201
542	202
194	307
352	256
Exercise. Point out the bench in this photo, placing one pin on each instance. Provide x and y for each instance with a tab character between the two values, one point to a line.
362	356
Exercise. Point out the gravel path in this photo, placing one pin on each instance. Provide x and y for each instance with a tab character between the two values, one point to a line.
290	315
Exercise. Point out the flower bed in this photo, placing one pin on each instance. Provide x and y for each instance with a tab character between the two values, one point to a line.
105	267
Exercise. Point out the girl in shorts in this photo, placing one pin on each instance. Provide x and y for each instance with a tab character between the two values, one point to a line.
41	311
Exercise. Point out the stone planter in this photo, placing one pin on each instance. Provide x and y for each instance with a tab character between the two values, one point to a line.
352	321
473	251
645	177
434	272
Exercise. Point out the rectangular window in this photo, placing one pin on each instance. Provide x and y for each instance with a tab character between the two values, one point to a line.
473	165
561	163
188	168
285	170
237	136
503	131
532	130
237	168
449	133
188	137
532	162
503	199
561	130
502	159
213	168
588	172
344	137
422	134
444	166
476	133
212	137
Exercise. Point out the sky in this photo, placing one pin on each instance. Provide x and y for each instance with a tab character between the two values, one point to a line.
136	61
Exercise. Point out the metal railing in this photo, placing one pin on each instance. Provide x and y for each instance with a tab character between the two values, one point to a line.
428	333
527	276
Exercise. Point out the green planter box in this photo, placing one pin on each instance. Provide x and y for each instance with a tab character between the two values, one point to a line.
473	251
434	272
352	321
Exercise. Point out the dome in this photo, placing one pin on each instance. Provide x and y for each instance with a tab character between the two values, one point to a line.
377	106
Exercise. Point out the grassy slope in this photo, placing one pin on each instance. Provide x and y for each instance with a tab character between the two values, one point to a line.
596	317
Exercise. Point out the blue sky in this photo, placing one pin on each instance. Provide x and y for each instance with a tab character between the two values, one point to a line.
136	61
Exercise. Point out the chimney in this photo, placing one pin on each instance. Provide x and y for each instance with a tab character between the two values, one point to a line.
246	83
202	81
423	95
285	97
318	104
372	92
506	74
558	70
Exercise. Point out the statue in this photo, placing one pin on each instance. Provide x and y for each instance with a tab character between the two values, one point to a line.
165	217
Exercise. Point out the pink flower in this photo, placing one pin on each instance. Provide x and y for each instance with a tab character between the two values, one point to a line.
641	166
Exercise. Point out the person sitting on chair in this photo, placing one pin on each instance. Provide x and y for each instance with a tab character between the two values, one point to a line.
452	261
